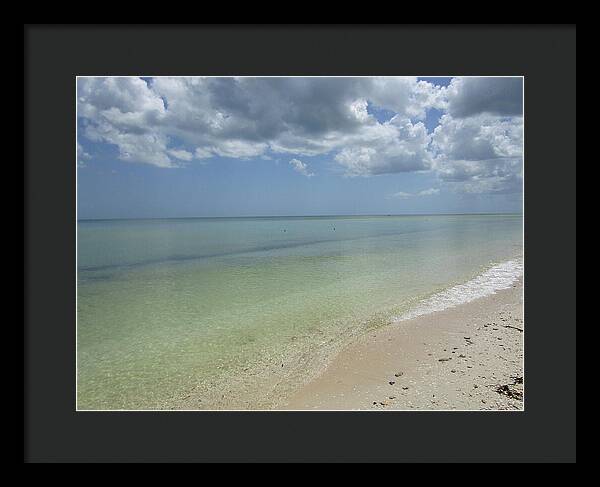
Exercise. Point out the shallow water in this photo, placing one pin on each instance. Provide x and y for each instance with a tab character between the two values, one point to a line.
172	307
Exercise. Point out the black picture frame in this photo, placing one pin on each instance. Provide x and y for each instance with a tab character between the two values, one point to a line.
55	54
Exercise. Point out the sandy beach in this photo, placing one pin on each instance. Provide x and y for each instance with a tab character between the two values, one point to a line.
469	357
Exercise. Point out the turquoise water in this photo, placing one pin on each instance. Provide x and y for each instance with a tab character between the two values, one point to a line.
209	313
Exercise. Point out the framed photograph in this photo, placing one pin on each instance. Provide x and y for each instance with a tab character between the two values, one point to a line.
297	253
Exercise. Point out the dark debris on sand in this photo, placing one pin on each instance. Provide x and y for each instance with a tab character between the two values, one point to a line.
512	390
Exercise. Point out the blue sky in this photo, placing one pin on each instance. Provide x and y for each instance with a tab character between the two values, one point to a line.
180	147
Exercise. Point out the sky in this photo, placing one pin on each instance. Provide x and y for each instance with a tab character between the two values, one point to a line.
191	147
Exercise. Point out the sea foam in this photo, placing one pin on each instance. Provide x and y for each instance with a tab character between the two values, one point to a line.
499	276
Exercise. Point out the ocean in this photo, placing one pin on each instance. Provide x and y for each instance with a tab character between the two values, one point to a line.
234	313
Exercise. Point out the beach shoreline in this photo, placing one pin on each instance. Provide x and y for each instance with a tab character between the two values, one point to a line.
467	357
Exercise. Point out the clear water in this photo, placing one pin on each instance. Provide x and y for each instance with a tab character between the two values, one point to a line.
228	313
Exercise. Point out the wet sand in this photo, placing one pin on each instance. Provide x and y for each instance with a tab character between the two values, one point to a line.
465	358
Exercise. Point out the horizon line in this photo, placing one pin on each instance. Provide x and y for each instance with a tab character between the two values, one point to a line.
295	216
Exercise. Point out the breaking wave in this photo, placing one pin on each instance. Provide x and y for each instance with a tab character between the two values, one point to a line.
500	276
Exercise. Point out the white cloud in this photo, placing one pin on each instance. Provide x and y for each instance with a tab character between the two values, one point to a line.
181	154
405	95
250	117
123	112
202	153
166	122
301	168
429	192
401	195
479	154
478	144
405	195
239	149
126	95
479	138
82	156
394	146
148	147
